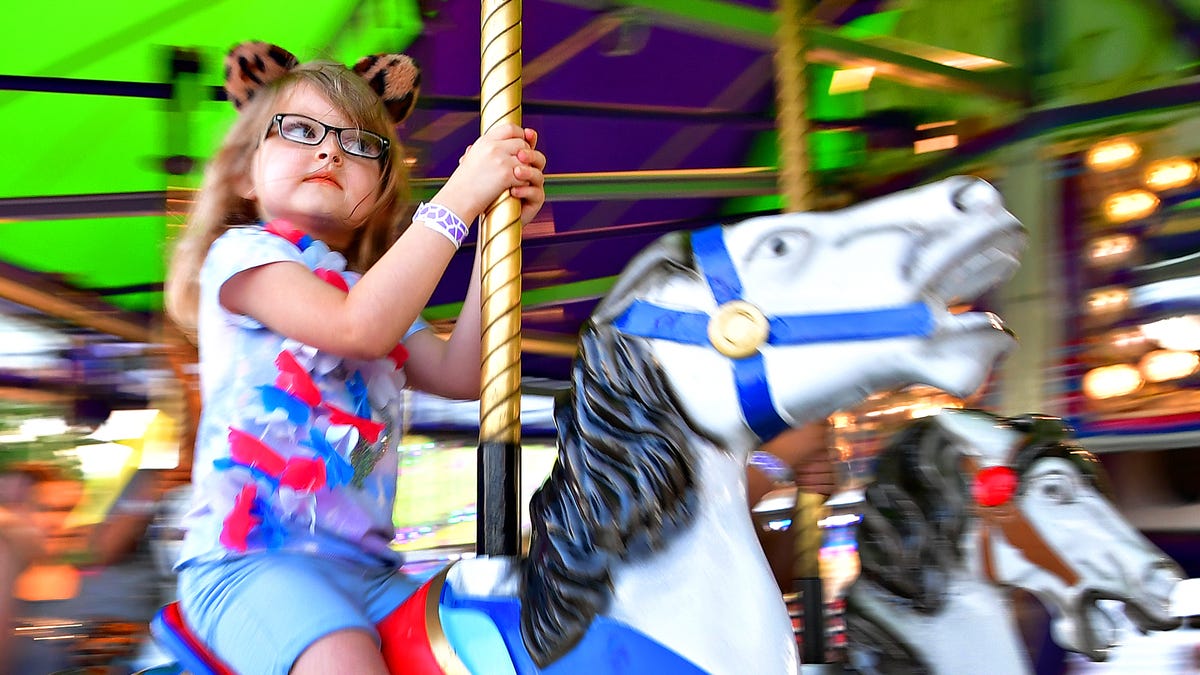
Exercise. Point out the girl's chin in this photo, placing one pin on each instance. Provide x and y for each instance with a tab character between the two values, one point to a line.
332	230
312	220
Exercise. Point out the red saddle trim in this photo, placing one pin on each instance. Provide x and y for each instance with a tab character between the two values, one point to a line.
411	636
172	619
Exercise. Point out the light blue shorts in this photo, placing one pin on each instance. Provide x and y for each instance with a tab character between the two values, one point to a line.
261	611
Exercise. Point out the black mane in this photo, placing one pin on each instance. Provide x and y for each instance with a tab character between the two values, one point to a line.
920	504
915	514
622	484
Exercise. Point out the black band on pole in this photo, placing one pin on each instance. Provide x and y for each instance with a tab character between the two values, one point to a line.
497	514
813	604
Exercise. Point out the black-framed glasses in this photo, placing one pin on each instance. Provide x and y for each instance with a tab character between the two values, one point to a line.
307	131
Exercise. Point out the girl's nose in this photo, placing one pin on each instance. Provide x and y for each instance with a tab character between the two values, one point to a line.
329	150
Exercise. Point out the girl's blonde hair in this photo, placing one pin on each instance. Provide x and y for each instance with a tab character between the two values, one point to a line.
220	204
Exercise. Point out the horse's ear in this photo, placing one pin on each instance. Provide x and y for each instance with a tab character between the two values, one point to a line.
249	66
397	80
670	254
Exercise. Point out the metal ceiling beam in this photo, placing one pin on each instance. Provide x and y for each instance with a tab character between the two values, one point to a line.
1094	117
72	305
674	184
624	111
548	344
894	59
103	205
561	187
535	69
724	21
682	143
586	289
575	291
439	104
913	64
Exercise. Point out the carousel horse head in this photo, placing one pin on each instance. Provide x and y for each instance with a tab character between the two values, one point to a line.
783	319
1013	502
722	338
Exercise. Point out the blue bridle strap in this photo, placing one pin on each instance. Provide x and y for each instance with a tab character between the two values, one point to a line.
648	320
709	247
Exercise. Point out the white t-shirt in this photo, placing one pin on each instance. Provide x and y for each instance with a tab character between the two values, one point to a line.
297	448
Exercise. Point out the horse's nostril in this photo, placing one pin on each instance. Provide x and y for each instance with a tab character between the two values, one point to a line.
975	195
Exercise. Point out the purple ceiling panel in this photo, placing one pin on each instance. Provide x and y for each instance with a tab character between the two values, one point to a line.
671	69
605	96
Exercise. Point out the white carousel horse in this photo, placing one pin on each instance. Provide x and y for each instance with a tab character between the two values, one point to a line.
644	557
706	346
966	506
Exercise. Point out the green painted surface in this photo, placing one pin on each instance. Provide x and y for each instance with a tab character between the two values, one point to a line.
590	288
70	144
77	144
92	253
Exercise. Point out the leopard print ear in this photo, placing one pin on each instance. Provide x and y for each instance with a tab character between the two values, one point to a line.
250	65
397	80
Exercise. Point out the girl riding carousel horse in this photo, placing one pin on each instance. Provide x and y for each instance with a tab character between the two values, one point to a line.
306	305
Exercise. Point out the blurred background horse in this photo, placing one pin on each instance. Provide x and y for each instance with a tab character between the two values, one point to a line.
966	506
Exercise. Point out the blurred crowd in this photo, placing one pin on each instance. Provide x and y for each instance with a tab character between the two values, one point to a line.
75	595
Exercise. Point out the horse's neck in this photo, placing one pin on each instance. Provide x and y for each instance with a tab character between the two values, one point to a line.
975	625
709	594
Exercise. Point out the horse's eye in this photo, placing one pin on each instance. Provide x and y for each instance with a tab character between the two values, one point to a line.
784	246
1058	488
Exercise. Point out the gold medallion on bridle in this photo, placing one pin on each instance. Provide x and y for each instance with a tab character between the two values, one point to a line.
738	329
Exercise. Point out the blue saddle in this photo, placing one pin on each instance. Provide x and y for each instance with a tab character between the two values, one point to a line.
486	631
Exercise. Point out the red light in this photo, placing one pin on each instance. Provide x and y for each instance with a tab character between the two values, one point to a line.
994	485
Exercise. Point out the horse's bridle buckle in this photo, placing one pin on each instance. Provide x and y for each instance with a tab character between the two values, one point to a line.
737	329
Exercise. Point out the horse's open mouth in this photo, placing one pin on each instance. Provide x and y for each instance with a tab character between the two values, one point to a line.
966	322
971	268
977	266
1101	623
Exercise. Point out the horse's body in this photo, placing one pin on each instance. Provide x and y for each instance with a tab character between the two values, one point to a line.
967	506
707	346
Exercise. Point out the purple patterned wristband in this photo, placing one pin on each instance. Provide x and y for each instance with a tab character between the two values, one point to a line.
443	221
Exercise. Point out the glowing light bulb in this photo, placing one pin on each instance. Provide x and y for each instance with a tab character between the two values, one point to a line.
1106	300
1167	174
1129	205
1111	381
1111	250
1114	153
1161	365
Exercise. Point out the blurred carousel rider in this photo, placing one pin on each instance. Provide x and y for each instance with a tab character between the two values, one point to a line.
805	460
66	569
21	541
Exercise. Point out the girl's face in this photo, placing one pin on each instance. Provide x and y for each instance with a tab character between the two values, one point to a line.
322	189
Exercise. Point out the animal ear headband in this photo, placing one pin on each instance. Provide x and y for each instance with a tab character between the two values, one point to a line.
251	65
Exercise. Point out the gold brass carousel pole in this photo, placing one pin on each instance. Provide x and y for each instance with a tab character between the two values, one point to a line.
499	457
796	187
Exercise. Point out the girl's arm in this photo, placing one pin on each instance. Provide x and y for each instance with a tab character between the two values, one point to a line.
451	368
369	320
